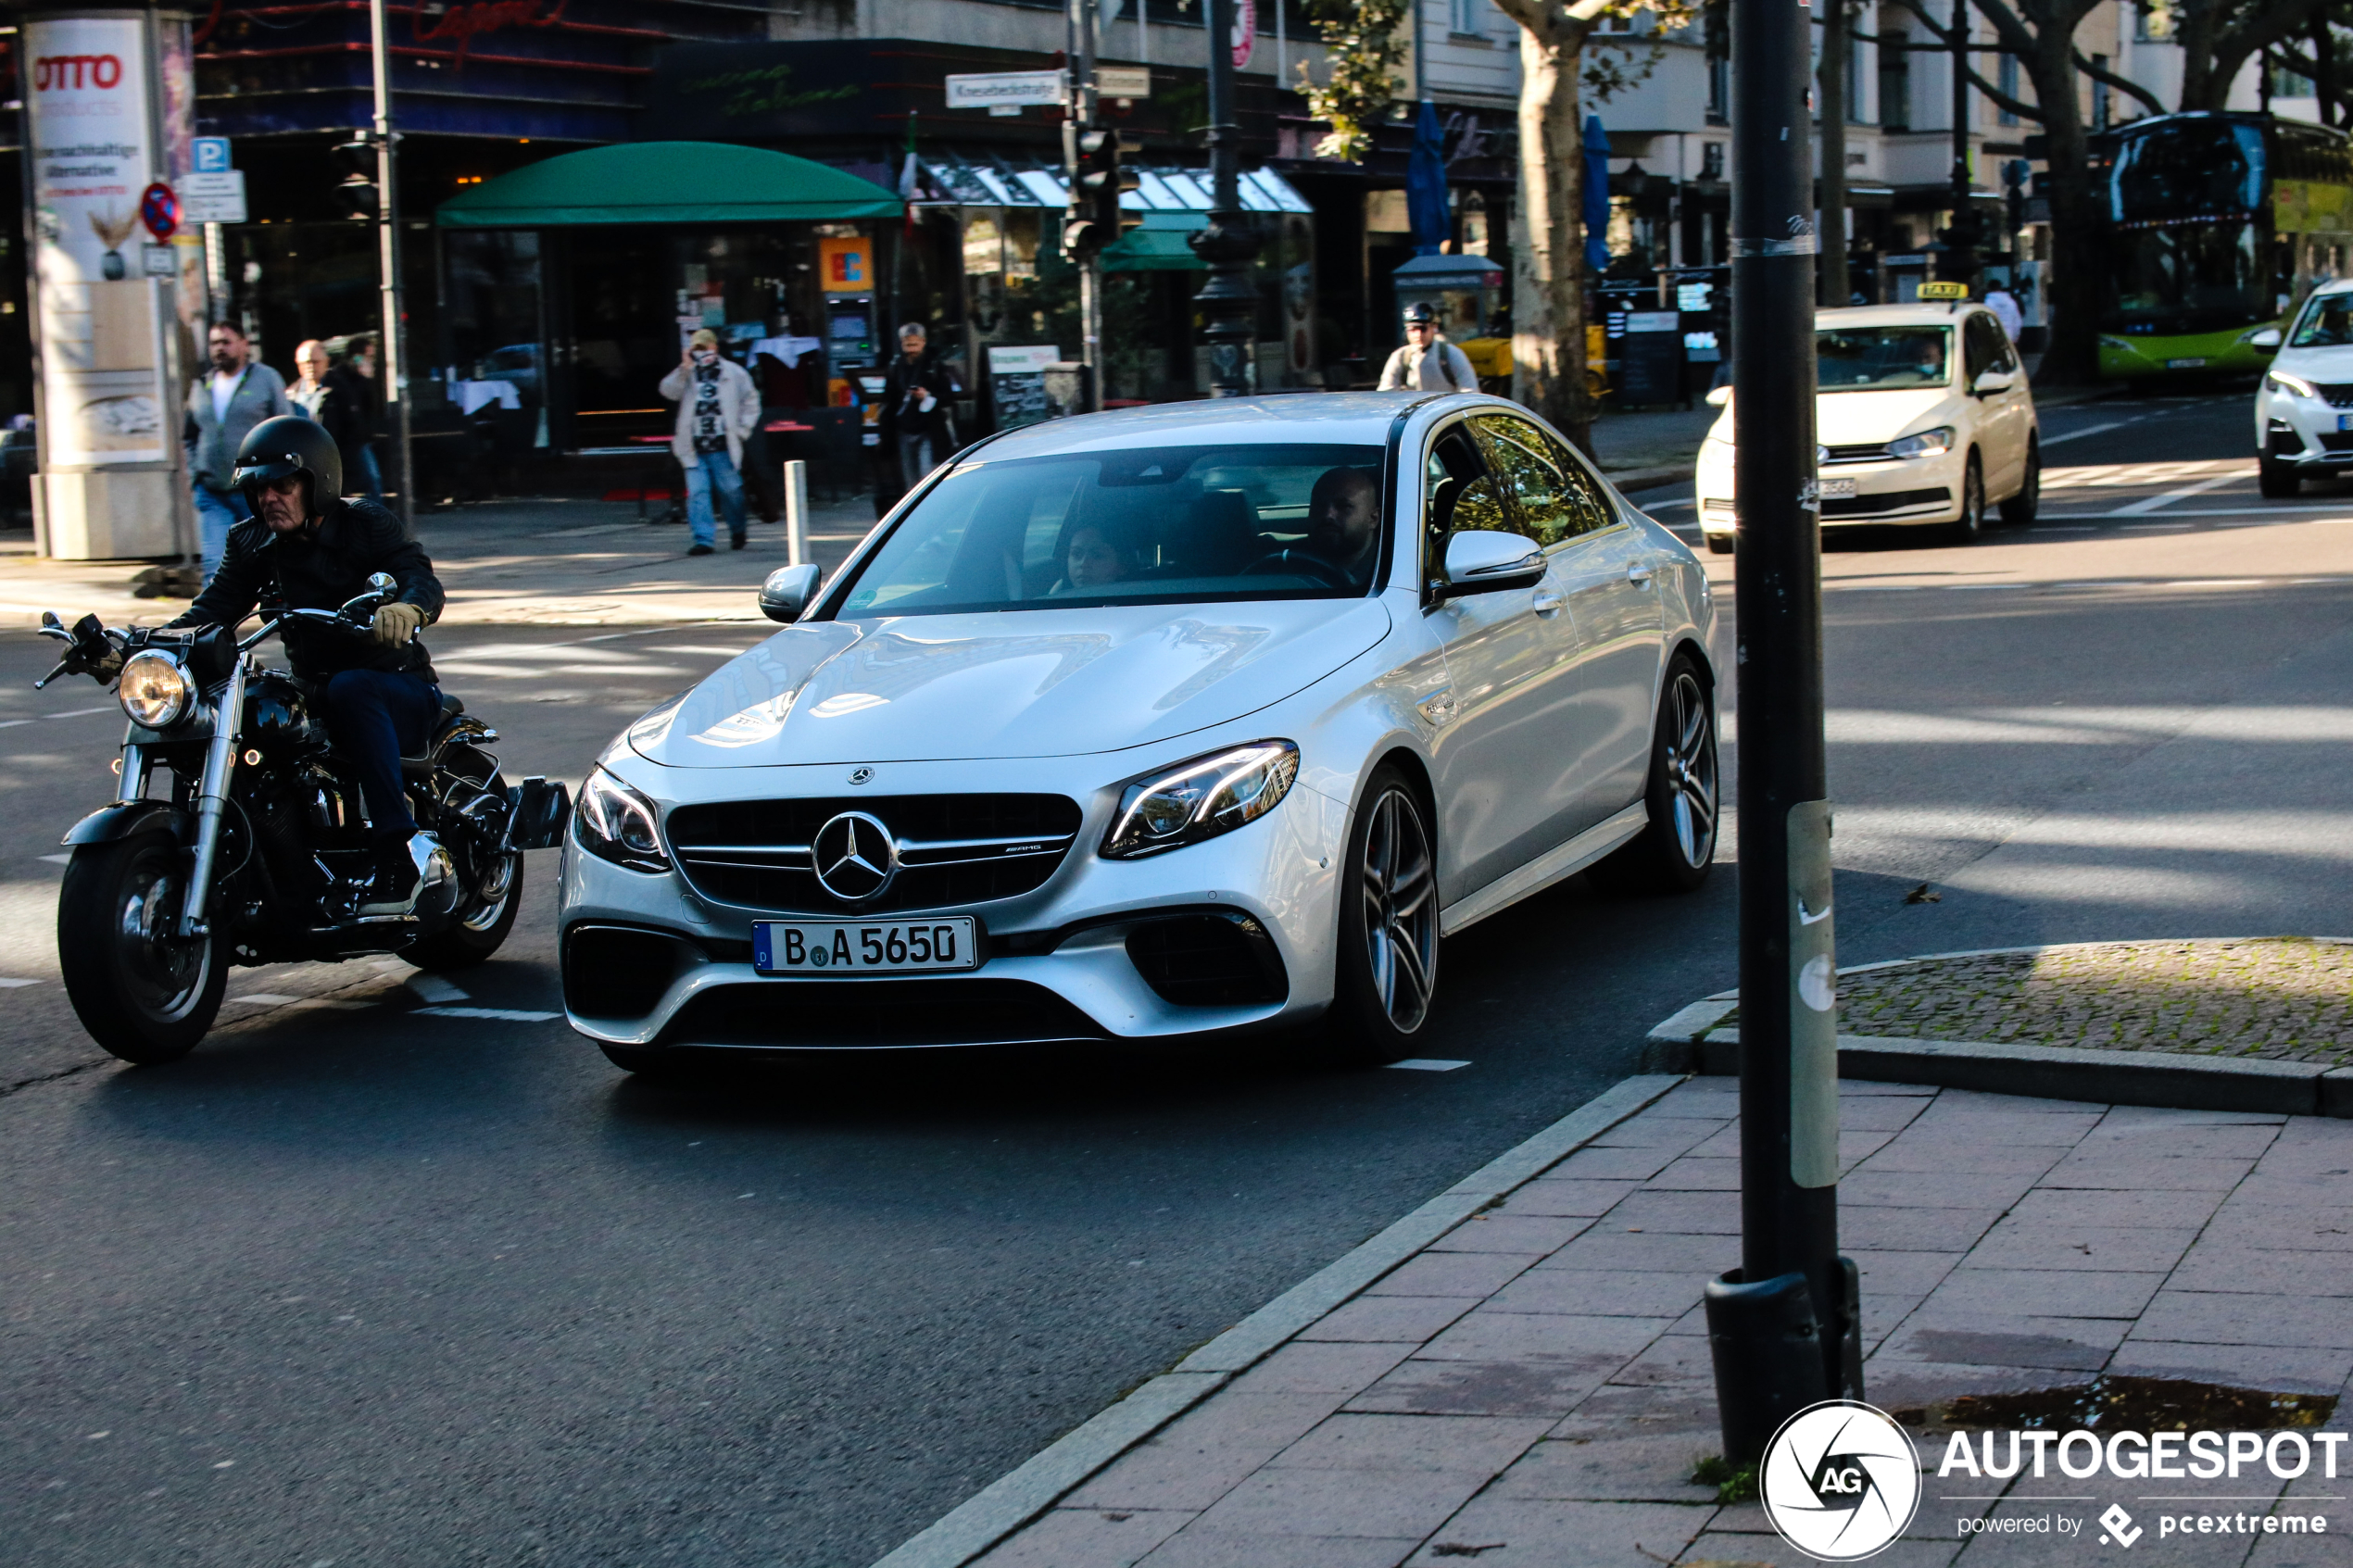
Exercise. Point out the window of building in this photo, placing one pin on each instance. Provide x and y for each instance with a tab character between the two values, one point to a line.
2100	98
1853	81
1719	38
1895	80
1466	15
2006	78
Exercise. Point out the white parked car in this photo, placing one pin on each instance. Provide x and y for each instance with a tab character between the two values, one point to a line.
1923	418
1178	721
2304	405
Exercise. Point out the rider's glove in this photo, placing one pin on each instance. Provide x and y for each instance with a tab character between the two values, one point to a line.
105	666
396	623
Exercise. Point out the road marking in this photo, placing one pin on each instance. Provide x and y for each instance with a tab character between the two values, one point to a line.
12	984
1427	1064
2201	487
2147	527
510	1015
434	988
264	998
2086	529
58	860
2089	430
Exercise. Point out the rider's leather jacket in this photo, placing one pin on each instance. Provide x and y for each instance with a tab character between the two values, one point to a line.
322	568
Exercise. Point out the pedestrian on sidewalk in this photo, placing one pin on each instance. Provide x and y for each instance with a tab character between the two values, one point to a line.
355	380
223	409
1428	362
335	398
2004	304
917	395
717	409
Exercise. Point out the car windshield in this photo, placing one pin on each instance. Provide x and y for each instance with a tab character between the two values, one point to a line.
2327	323
1148	525
1876	359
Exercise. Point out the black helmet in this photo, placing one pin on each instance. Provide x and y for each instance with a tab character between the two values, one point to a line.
1420	311
290	443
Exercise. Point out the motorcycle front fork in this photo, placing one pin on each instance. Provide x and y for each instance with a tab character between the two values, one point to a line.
212	799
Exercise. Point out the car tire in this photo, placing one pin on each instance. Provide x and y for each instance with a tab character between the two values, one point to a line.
1719	544
1385	974
2276	480
1683	795
1970	527
2020	509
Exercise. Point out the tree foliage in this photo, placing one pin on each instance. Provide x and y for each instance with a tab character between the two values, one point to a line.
1364	40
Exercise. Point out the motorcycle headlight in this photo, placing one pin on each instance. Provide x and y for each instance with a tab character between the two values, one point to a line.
614	822
155	691
2279	380
1201	798
1927	444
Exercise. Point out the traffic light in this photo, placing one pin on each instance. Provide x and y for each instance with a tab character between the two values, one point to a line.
1096	218
356	158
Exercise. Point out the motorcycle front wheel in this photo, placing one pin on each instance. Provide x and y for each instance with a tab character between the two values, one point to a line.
145	995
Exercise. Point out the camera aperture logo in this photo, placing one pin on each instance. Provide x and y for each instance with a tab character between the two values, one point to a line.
1840	1481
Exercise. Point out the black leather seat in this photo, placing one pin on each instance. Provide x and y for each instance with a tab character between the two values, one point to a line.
420	765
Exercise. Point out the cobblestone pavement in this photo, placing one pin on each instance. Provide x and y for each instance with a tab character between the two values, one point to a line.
2281	996
1535	1387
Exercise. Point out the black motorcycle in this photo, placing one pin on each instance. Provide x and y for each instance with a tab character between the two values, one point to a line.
259	851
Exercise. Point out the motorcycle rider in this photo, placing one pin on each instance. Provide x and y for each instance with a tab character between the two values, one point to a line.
377	693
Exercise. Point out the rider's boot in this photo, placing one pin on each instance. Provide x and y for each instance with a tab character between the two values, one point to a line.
413	876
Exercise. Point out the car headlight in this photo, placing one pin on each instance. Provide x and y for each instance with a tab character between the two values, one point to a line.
155	691
1201	798
1927	444
614	822
2279	380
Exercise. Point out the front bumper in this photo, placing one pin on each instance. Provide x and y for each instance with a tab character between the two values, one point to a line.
1064	961
2302	431
1892	492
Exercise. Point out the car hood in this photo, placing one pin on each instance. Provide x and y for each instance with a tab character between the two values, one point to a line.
2334	366
1046	683
1855	419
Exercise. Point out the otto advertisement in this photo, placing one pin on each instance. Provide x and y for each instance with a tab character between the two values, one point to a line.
86	101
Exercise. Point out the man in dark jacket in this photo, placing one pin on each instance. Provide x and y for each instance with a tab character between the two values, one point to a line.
917	398
317	550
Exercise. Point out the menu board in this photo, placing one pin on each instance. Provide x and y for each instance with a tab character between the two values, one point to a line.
1017	385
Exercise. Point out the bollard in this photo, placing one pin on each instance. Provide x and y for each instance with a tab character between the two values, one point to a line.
797	512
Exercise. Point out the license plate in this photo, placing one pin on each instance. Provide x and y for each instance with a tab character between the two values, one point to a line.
2345	421
1837	489
2185	364
881	946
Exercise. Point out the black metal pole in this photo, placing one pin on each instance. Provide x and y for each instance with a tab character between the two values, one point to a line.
1962	240
1229	300
1836	48
1780	1328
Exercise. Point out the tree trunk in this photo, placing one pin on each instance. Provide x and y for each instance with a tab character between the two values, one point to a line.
2071	297
1548	267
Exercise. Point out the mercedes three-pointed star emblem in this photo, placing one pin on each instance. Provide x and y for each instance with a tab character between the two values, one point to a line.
855	857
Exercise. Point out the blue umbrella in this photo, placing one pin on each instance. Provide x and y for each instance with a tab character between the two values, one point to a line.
1596	195
1426	185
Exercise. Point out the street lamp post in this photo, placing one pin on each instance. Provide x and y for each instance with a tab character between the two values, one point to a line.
1963	239
1229	299
394	366
1781	1328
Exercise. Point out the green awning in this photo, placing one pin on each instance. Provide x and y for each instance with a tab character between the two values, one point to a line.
708	183
1158	246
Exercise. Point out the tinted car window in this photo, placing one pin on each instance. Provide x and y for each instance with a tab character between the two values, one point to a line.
1146	525
2327	323
1549	489
1457	493
1873	358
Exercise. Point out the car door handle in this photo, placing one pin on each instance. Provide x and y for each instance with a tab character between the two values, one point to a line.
1637	575
1548	605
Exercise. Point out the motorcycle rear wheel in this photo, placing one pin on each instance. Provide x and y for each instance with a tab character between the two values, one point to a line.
472	939
145	995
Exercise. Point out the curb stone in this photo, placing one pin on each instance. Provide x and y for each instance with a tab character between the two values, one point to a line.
1690	1042
988	1516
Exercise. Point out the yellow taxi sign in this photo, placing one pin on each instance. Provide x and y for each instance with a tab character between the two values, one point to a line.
1943	291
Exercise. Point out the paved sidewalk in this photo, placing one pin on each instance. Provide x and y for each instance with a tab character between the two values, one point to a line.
1534	1388
549	561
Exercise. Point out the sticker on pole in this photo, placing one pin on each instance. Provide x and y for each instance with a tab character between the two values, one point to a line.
1840	1481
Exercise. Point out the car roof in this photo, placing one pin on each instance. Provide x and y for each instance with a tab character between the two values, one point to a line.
2335	285
1927	313
1337	417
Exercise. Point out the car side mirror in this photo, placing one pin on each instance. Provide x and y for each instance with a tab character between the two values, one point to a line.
1991	381
788	592
1481	561
1719	396
2267	340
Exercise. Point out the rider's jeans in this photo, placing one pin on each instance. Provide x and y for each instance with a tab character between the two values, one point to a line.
374	715
714	468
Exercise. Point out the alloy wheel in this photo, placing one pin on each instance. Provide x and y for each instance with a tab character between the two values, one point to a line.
163	975
1691	770
1399	885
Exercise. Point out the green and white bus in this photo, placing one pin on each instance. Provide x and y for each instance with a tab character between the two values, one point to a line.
2214	227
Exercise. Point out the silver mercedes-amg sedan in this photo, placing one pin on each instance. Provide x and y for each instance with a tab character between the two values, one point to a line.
1182	720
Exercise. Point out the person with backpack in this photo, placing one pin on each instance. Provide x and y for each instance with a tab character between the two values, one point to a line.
1428	362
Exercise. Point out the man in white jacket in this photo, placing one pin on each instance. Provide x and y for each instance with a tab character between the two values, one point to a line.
1428	362
714	420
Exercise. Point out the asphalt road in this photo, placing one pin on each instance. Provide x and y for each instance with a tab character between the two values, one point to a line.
355	1285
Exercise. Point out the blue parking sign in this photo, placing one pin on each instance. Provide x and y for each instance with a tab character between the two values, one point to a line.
211	155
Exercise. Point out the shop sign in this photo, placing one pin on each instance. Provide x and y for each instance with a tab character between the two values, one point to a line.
992	89
1124	82
846	266
465	22
1245	33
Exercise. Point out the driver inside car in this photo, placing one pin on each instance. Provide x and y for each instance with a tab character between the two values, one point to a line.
375	689
1343	521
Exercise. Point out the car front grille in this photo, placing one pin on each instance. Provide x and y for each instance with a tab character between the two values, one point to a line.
954	850
2336	441
848	1014
2338	395
1870	452
1889	501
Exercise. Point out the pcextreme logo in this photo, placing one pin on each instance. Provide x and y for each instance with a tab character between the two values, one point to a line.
1840	1481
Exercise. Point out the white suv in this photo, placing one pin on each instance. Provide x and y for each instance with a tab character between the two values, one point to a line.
1923	418
2304	407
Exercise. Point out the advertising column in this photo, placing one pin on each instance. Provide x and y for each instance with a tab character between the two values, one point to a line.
111	484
